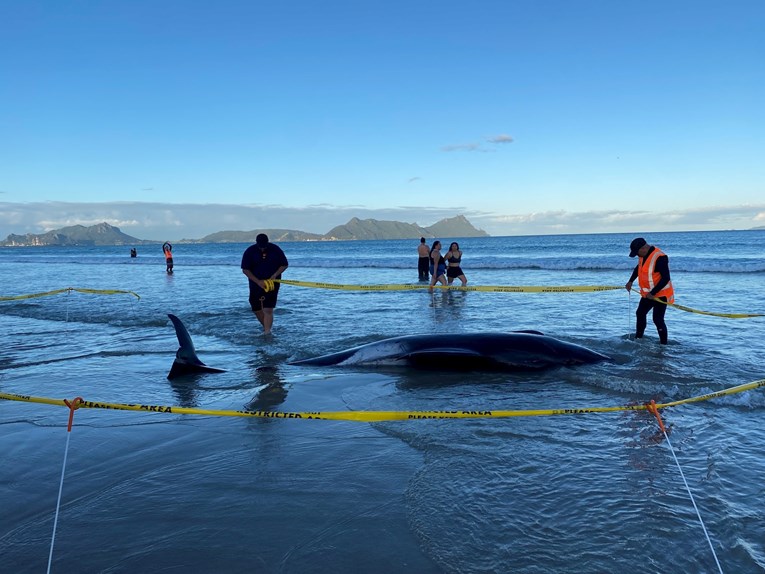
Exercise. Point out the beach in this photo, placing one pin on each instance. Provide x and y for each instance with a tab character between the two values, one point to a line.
583	492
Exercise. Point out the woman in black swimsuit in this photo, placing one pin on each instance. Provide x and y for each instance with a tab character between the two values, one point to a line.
437	265
453	259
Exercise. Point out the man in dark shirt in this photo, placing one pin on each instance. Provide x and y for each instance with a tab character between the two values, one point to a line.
656	290
262	263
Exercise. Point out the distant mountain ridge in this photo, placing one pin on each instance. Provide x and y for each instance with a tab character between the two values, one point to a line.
355	229
100	234
274	235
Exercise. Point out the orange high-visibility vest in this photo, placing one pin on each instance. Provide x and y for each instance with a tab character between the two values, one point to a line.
648	278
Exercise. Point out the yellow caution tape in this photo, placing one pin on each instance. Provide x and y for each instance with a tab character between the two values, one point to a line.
484	288
722	393
727	315
379	416
698	311
497	289
69	289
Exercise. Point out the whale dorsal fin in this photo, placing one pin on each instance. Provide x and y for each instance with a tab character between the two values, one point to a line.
186	360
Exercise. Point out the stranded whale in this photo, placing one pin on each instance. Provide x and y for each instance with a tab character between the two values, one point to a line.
186	360
520	350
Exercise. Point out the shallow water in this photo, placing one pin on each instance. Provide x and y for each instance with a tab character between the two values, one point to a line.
155	492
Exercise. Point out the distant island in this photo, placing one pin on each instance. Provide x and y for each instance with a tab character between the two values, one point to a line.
101	234
355	229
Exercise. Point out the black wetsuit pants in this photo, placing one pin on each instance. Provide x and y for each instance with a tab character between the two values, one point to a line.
659	309
423	263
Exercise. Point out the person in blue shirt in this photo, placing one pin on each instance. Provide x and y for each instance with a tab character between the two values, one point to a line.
262	263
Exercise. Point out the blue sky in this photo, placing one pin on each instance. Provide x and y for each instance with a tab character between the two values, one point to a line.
180	118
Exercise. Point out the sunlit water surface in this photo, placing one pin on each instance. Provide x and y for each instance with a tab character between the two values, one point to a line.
154	492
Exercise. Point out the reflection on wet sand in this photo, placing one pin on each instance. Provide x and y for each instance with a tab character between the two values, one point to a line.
187	390
448	305
273	392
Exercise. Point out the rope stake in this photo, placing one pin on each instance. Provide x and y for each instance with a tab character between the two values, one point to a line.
655	411
73	406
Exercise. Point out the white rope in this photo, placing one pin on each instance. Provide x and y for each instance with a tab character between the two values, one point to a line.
58	502
672	450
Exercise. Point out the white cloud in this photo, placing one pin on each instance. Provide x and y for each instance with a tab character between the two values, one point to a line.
500	139
192	221
160	221
58	223
615	221
462	147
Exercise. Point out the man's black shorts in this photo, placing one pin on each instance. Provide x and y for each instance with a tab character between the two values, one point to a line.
259	299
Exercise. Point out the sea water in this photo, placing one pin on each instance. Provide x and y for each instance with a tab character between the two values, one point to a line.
598	492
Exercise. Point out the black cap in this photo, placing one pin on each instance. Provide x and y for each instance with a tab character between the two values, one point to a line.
262	240
636	244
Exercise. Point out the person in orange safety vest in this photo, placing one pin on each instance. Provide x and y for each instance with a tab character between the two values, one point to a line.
652	273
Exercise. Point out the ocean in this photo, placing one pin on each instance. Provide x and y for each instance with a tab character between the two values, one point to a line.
580	493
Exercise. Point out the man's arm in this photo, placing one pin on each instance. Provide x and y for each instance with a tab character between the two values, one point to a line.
278	272
634	275
661	267
251	276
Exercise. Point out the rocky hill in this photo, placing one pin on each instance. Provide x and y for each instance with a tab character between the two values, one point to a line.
455	227
373	229
274	235
101	234
355	229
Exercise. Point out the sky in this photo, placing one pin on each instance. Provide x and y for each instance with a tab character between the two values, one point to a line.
174	119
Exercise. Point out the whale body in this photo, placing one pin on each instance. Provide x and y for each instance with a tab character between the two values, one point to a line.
519	350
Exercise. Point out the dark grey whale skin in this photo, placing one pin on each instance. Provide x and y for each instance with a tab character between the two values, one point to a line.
521	350
186	360
515	351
